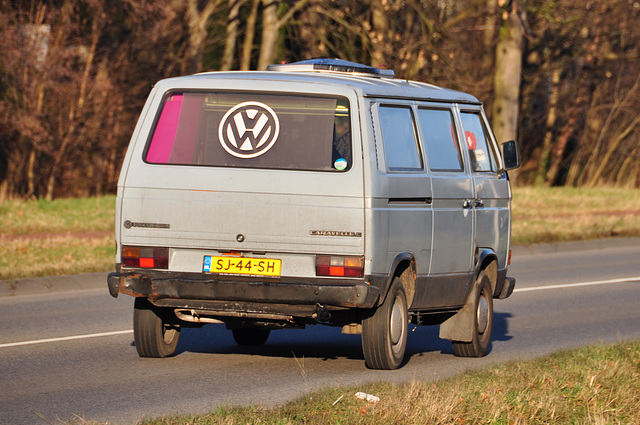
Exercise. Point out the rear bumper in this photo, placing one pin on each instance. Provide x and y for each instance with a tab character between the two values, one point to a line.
507	288
504	285
187	290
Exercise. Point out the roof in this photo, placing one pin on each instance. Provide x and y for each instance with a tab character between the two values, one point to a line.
369	81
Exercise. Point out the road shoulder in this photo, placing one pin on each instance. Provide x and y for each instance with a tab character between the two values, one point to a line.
52	284
588	245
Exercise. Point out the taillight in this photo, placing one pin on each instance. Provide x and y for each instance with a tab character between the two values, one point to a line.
145	257
335	265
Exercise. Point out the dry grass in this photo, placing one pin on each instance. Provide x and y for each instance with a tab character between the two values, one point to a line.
66	236
59	216
76	235
564	214
55	254
593	385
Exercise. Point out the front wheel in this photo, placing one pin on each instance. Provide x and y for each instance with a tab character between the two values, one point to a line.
482	321
154	335
384	335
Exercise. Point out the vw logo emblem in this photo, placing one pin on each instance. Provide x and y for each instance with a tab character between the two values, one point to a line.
249	129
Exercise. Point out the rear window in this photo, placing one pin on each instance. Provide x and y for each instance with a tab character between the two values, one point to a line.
253	131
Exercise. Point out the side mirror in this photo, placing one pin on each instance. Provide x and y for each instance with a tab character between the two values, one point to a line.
510	155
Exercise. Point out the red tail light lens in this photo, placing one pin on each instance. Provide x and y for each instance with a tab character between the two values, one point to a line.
334	265
145	257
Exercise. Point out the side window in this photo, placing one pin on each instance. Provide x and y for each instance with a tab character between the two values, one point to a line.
480	152
399	138
439	135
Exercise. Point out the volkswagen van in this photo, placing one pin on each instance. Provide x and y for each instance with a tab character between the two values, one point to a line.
319	192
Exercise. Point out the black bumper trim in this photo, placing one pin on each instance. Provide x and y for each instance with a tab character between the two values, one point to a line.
507	288
157	286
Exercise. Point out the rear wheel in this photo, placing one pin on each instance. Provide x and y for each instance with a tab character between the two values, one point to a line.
154	335
384	335
482	321
251	336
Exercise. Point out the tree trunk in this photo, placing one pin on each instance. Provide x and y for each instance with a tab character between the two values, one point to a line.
507	79
197	22
233	22
488	35
271	25
552	114
558	150
270	36
380	28
250	33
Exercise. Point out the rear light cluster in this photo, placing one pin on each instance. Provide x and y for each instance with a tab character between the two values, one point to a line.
334	265
145	257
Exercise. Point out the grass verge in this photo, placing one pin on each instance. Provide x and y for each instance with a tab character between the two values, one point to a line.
69	236
568	214
65	236
59	216
592	385
56	254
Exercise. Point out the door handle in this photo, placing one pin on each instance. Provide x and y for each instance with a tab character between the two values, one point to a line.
472	203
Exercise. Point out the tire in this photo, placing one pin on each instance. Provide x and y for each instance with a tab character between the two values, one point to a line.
154	336
384	335
253	337
482	321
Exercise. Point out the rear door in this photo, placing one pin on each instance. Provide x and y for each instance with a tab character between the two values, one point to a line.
271	173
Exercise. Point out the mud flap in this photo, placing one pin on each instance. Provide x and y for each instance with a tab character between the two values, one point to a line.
461	326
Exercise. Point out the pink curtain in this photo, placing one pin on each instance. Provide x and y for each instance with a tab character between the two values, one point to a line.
165	133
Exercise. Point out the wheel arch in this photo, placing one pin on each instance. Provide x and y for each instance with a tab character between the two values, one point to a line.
404	268
487	261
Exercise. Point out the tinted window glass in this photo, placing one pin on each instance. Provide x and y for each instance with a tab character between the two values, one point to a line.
252	130
480	153
399	138
439	135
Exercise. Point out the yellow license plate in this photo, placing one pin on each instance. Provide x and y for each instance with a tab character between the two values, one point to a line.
242	265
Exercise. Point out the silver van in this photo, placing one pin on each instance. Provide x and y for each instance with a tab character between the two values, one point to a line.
318	192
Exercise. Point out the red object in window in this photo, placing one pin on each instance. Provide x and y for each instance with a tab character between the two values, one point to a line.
471	140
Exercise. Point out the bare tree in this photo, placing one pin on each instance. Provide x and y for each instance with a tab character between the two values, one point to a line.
197	23
233	23
508	69
271	25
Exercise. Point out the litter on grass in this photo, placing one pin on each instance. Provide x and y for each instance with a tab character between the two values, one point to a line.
370	398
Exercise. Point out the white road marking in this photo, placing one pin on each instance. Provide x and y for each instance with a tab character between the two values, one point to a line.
129	331
65	338
574	285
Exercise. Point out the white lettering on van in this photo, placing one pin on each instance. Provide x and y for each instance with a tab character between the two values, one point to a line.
335	233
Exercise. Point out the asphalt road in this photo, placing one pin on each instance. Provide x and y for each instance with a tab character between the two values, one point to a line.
69	354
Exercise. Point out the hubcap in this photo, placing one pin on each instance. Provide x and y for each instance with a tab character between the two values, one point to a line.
396	322
168	333
483	315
